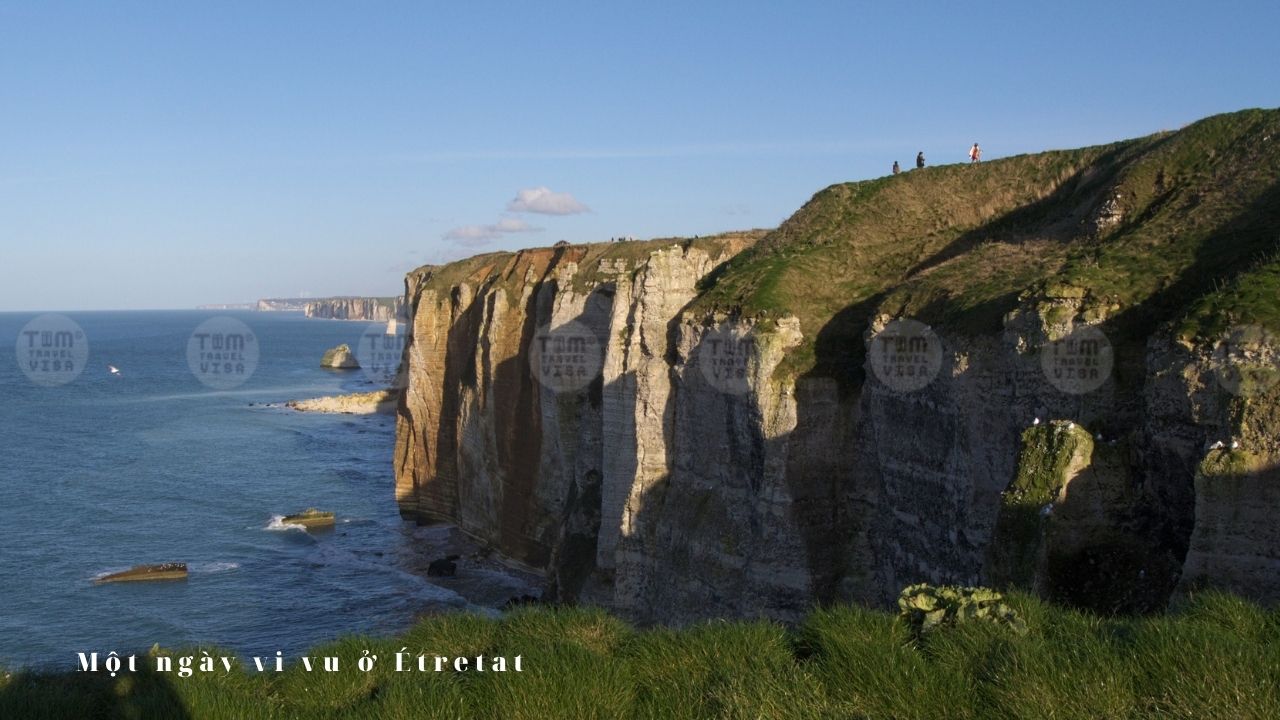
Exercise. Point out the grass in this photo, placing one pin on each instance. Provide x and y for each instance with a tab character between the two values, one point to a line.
1193	242
597	263
1214	657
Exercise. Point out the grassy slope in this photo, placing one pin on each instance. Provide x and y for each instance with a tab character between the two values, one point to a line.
1217	658
956	246
479	268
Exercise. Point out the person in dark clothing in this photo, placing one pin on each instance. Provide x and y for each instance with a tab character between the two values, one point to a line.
896	169
920	160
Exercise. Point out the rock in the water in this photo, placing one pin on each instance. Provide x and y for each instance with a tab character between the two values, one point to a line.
310	518
379	401
340	358
162	571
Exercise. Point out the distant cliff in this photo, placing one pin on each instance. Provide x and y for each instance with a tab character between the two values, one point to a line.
357	308
1054	371
281	304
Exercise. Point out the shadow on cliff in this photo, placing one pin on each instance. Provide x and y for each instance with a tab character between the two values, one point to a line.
1165	466
1058	215
57	695
1160	522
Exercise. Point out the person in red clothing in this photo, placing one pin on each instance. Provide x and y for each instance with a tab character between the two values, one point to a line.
975	153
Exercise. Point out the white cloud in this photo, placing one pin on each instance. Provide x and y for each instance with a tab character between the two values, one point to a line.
476	235
510	225
545	202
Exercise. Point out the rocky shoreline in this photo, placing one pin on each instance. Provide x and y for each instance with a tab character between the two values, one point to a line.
367	403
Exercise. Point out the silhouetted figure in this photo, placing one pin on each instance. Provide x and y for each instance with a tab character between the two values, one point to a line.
975	154
920	160
896	169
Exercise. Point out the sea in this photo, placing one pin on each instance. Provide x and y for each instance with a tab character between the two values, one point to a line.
130	438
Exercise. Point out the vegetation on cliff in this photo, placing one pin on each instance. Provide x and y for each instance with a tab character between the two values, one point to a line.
1215	658
1177	228
1051	453
596	262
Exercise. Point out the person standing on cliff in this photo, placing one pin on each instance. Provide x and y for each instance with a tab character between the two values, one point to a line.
920	160
896	169
975	154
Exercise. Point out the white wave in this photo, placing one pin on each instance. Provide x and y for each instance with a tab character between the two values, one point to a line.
213	567
222	393
112	571
277	523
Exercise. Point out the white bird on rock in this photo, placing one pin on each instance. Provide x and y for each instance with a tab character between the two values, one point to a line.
1235	444
1036	421
1216	446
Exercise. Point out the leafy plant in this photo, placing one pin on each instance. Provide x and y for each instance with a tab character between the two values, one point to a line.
925	607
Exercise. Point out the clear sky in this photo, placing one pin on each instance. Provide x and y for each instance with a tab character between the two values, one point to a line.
163	155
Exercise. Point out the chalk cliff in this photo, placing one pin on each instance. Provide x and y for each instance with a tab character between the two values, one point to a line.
356	308
1012	373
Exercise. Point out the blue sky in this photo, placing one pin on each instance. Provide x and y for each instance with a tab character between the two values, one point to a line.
163	155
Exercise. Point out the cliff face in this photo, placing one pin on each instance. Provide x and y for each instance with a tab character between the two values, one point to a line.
357	308
281	305
1006	374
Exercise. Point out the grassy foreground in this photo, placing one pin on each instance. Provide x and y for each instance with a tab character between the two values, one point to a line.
1217	657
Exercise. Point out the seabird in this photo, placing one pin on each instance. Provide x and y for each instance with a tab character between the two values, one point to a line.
1235	444
113	369
1036	421
1216	446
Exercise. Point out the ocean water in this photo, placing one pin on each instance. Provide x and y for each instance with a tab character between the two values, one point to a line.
152	465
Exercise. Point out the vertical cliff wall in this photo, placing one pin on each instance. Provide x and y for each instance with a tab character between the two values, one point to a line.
357	308
867	397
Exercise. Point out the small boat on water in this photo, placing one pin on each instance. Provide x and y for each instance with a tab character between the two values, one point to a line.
162	571
309	518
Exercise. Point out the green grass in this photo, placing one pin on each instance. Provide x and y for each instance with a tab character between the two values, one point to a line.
1214	657
1194	244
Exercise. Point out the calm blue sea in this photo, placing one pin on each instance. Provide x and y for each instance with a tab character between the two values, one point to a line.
152	465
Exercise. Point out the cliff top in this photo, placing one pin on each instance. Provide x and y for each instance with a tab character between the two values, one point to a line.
595	261
1176	233
1177	230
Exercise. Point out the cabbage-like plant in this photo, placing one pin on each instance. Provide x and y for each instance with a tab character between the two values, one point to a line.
925	607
